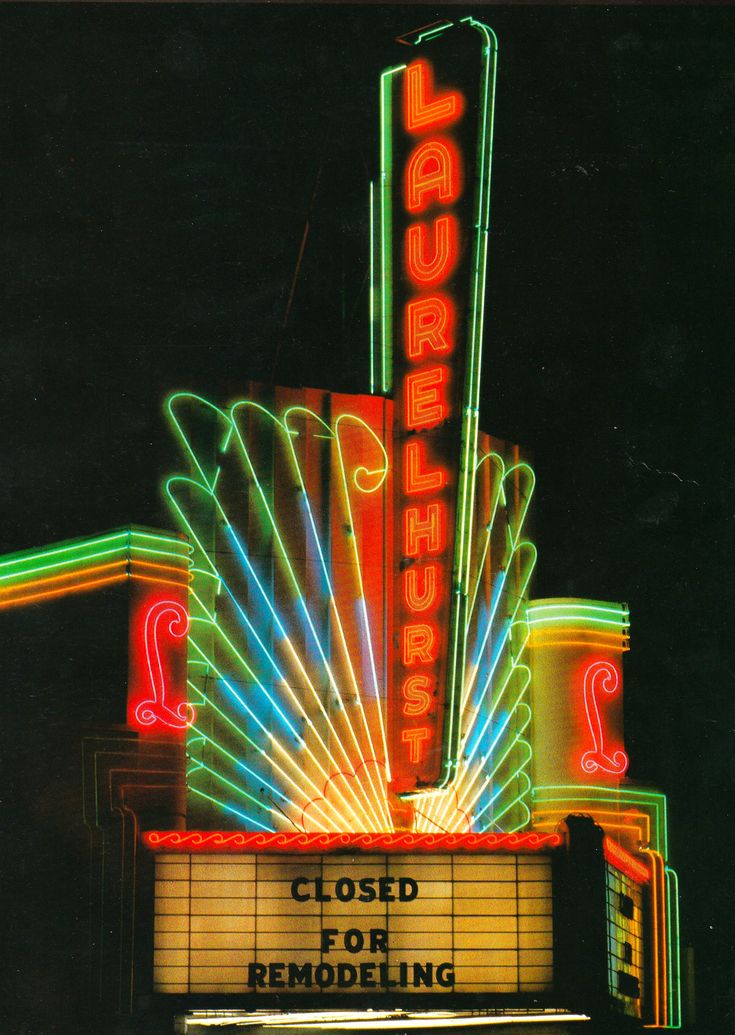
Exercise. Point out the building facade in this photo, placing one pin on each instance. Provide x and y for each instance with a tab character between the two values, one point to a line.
339	758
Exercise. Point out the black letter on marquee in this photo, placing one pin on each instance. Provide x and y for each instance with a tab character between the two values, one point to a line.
324	975
295	892
256	974
299	975
422	974
408	889
445	975
346	975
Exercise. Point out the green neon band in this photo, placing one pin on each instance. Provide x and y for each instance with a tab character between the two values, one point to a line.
386	225
371	301
470	423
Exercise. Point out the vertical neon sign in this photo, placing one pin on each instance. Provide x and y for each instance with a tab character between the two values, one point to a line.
434	214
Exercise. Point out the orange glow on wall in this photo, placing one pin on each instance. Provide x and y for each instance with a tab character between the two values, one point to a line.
421	587
429	326
423	108
431	250
425	397
418	476
433	174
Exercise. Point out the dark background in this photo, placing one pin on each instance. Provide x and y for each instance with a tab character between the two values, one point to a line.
159	165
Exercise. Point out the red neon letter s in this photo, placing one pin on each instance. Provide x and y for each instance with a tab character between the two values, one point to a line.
422	110
433	172
427	262
416	696
429	325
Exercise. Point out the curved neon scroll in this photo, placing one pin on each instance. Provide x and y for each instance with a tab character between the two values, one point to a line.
155	709
601	676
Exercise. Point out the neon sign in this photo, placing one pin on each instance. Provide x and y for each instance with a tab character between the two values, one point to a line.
157	659
430	189
438	206
360	566
600	677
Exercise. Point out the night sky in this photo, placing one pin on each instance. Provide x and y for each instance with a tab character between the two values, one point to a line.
159	166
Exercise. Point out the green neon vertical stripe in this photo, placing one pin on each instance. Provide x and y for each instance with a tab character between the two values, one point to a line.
386	226
470	407
672	932
371	301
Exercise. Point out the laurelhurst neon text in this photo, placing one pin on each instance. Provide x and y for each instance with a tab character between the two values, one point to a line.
432	183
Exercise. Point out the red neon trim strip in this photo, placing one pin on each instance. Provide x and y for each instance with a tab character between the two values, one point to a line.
617	856
228	841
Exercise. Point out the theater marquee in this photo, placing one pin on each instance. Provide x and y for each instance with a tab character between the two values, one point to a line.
257	922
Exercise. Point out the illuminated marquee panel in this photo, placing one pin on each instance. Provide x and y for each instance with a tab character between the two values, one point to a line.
339	924
625	941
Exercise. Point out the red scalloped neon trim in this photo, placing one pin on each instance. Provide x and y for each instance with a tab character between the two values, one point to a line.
228	841
617	856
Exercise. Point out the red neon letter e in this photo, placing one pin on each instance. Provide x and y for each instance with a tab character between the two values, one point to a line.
425	406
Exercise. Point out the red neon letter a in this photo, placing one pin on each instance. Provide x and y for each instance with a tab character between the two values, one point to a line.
433	173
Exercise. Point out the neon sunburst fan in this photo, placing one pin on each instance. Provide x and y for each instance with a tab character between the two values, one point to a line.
360	563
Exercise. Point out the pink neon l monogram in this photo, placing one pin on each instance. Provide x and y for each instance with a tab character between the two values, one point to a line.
601	676
155	709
